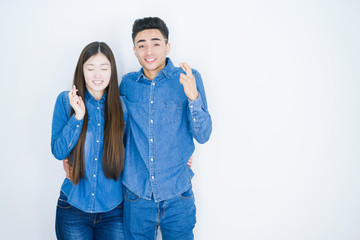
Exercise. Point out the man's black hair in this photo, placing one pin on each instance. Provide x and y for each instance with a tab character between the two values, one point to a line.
150	23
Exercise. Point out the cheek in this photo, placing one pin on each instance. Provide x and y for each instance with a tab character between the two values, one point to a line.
87	77
139	53
162	52
107	77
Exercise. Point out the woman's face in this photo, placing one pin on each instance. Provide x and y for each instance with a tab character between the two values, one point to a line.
97	73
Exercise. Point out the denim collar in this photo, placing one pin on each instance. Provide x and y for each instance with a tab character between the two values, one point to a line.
89	97
166	71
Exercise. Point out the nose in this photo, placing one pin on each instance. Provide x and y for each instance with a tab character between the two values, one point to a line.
149	50
97	74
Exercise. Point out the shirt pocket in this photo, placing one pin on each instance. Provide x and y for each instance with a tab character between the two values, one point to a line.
171	111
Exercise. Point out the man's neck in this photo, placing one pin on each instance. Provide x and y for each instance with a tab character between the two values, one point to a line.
150	74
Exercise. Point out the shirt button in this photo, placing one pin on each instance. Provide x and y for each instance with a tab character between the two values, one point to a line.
95	159
151	140
152	102
98	108
98	124
152	177
92	194
151	159
191	106
194	119
153	84
151	121
77	125
98	140
94	175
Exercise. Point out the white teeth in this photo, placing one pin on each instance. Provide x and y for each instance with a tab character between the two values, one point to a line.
150	59
97	82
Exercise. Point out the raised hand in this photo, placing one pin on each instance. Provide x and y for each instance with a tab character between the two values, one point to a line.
188	82
77	104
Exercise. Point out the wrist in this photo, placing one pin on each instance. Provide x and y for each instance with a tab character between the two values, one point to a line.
194	97
79	116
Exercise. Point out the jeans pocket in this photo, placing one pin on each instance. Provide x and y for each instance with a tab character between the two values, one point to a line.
62	201
187	194
130	196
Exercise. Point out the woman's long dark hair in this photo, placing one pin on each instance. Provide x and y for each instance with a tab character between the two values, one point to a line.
113	152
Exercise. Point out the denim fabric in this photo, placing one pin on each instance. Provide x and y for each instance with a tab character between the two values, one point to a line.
161	125
176	217
72	223
96	193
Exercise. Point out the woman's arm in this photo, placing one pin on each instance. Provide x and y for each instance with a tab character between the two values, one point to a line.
65	129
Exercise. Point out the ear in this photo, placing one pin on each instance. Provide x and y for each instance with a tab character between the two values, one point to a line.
134	51
167	48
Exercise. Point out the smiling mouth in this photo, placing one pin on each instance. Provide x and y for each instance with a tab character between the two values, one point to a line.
97	82
150	60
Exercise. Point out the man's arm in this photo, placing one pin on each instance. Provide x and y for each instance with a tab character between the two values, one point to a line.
198	114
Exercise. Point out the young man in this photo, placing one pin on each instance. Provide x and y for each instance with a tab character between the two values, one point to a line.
166	109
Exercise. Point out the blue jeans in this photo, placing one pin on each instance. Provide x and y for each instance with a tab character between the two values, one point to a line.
176	217
72	223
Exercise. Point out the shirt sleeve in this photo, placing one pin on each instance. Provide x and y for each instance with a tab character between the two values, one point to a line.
122	87
65	129
125	112
198	114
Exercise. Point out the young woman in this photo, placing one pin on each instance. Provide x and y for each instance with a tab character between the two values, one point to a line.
87	128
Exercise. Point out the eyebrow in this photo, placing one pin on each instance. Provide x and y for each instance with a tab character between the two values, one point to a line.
90	64
153	39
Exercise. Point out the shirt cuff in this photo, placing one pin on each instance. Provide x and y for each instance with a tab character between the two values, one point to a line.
74	123
195	104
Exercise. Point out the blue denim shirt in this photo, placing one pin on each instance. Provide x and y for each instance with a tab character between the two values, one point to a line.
96	193
161	125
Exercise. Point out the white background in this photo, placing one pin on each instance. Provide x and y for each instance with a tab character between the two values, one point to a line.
282	82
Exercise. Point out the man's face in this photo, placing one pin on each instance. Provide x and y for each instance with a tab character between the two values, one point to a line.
151	49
